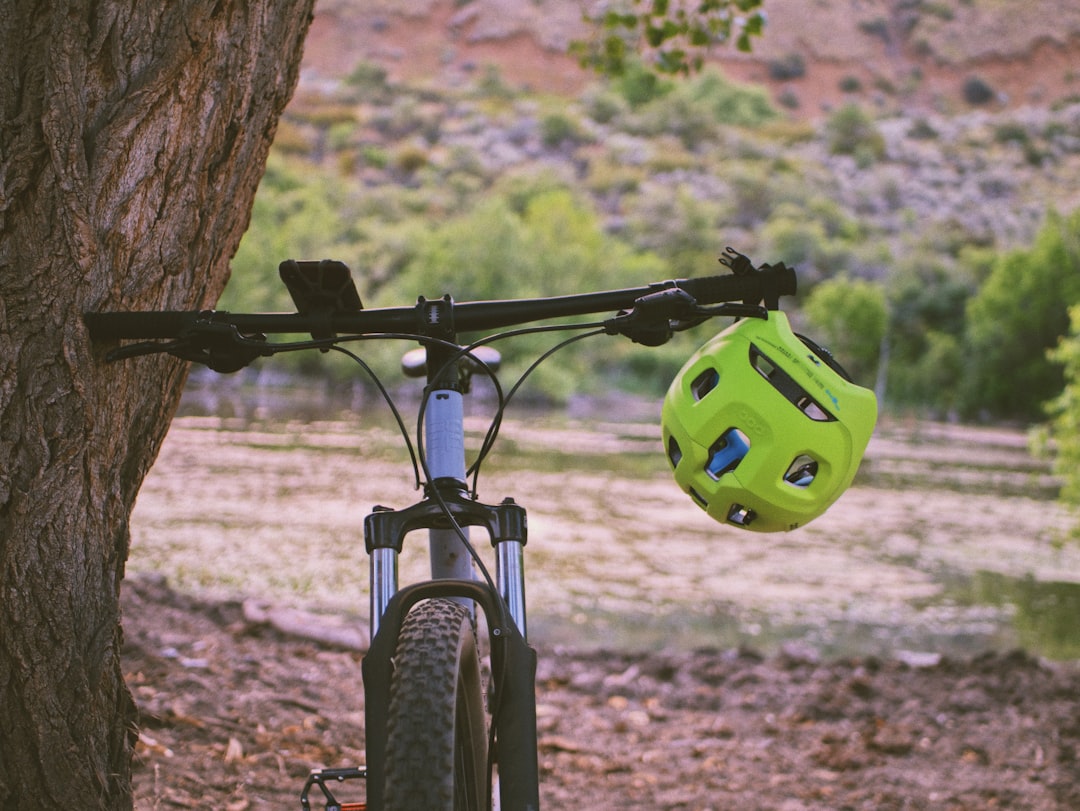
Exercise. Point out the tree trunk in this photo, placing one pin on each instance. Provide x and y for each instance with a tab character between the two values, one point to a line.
132	138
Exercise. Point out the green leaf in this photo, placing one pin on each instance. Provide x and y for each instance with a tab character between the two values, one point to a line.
699	37
755	25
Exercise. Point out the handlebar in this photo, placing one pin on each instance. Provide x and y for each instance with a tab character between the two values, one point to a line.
428	317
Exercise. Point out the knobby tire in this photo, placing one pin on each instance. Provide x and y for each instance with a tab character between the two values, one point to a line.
436	747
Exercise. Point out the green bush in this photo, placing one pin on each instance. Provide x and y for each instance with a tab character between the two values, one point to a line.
813	235
678	226
410	159
557	129
638	85
851	131
1018	315
554	244
926	299
729	103
695	110
604	106
1061	436
850	319
368	82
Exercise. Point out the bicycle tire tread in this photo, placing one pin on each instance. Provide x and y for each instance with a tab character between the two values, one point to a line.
435	645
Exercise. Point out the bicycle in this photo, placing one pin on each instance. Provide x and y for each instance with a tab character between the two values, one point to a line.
436	737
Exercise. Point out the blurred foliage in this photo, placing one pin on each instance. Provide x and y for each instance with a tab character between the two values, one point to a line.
486	191
851	131
1060	438
926	300
1016	317
850	319
522	245
695	110
674	39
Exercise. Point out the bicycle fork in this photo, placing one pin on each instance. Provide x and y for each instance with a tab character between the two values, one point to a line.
384	529
513	662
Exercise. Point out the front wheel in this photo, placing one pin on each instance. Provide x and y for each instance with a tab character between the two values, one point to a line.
436	745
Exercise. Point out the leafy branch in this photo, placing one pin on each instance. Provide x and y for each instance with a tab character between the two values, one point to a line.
674	37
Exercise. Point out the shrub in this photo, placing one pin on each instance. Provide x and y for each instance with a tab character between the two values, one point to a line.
788	67
850	317
639	85
728	102
559	128
1020	312
977	91
922	130
611	177
877	27
410	159
603	106
851	131
491	85
375	156
851	84
325	116
1064	425
789	99
926	298
804	242
367	82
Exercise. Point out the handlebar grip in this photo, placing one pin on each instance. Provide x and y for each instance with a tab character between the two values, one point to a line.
138	325
771	281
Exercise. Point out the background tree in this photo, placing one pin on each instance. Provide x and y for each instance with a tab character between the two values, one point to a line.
132	139
849	319
1064	425
1020	313
927	297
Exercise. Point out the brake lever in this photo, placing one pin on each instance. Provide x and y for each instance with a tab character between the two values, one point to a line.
657	316
650	321
220	347
728	308
139	350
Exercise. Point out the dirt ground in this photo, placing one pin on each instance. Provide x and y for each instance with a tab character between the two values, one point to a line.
234	713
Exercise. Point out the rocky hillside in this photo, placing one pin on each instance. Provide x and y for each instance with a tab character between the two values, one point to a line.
925	55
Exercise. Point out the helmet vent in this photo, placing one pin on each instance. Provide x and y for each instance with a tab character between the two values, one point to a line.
740	515
674	452
700	499
788	387
802	472
808	406
704	383
726	453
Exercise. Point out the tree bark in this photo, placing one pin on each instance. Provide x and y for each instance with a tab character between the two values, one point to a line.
132	138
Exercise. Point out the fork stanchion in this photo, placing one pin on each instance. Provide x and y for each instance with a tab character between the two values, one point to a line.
384	583
510	580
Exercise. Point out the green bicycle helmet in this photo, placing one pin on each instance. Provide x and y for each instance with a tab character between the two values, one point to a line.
763	429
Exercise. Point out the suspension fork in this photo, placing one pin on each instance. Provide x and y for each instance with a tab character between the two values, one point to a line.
444	446
512	659
384	533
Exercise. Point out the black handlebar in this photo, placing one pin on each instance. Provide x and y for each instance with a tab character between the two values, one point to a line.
747	285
